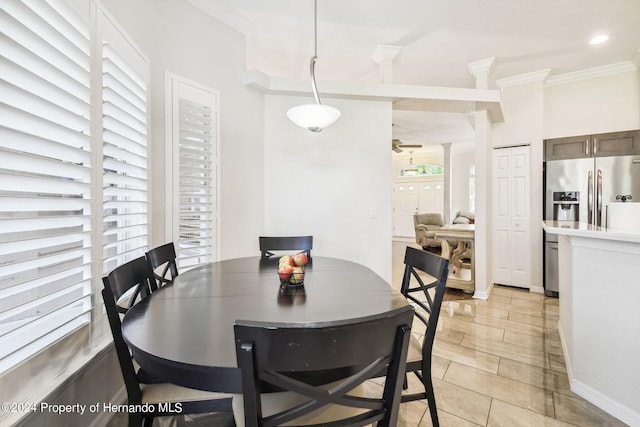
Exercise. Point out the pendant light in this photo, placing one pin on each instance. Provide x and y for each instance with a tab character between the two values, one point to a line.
411	170
314	117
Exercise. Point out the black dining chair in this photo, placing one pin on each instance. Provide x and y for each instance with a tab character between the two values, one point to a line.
132	280
427	312
279	243
294	360
163	259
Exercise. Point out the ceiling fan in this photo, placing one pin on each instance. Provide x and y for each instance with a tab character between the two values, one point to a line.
396	144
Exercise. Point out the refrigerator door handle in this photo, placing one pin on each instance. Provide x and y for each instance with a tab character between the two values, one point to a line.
590	198
599	199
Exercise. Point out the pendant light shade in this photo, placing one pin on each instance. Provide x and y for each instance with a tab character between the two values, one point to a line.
314	117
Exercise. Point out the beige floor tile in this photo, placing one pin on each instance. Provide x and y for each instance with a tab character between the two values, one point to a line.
439	366
471	328
466	356
520	370
446	420
411	413
458	309
515	392
527	319
504	414
534	375
516	293
557	363
449	335
533	356
487	310
507	324
500	298
461	402
544	342
577	411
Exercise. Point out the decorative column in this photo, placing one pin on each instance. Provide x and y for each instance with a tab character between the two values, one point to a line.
384	55
446	191
482	126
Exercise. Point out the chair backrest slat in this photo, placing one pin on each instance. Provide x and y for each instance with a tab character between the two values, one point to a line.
163	256
282	243
346	355
428	306
132	279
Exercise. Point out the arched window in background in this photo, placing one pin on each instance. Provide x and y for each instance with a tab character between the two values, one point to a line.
423	169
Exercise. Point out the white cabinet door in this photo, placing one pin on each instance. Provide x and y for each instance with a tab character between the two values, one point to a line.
511	207
405	205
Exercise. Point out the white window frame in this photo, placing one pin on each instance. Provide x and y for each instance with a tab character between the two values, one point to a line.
175	84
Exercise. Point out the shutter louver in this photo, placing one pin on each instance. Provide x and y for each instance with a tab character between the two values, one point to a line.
45	177
124	159
196	193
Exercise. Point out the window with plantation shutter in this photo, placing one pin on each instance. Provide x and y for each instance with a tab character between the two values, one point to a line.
124	79
194	124
45	177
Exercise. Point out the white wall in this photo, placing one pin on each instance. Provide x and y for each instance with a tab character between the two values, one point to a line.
179	38
604	104
460	162
327	184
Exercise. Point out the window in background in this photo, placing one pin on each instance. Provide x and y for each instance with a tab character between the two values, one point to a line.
423	169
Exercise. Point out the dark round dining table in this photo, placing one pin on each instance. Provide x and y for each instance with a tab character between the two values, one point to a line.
183	332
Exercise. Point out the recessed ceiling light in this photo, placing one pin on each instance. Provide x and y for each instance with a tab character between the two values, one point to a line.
600	38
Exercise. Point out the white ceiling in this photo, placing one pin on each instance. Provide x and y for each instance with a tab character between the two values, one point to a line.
439	38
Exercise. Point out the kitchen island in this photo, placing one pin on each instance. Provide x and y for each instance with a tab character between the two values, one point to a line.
599	324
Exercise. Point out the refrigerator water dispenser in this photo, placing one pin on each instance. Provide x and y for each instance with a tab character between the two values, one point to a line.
566	205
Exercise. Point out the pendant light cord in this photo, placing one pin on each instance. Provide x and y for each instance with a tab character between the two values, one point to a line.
314	87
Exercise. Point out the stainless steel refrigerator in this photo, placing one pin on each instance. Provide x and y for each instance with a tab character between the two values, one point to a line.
583	176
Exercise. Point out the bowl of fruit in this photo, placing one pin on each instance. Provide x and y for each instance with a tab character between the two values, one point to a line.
291	269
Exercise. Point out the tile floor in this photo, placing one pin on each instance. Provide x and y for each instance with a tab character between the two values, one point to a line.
499	363
495	363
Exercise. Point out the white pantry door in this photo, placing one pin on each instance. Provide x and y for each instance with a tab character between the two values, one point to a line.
405	204
511	229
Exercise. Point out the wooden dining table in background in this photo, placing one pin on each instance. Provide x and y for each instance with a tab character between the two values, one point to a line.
183	333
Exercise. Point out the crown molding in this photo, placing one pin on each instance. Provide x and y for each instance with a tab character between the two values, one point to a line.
522	79
591	73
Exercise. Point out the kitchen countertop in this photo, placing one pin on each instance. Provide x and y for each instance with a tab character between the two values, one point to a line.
582	229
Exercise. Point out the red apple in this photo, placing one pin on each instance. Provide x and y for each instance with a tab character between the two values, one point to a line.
285	271
297	276
300	259
286	259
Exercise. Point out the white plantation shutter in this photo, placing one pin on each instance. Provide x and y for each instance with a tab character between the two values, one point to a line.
193	177
125	151
196	193
45	177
